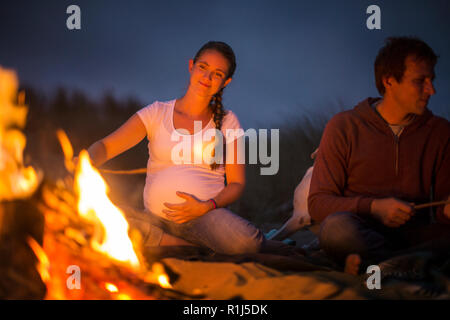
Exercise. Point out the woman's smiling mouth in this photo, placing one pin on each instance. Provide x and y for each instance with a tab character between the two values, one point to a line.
204	84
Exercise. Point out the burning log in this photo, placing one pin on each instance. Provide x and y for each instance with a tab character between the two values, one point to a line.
19	278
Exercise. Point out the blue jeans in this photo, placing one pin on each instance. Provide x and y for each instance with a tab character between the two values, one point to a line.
219	230
344	233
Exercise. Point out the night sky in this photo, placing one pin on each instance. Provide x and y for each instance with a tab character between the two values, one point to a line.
293	56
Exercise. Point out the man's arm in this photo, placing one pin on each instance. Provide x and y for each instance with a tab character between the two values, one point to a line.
330	175
330	178
442	184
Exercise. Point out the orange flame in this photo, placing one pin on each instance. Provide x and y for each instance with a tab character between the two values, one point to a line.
43	265
67	149
158	275
56	289
94	205
16	181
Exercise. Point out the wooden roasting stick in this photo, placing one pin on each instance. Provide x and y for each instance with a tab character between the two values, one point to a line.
144	170
431	204
134	171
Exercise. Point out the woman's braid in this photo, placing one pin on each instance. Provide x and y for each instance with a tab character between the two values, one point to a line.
219	113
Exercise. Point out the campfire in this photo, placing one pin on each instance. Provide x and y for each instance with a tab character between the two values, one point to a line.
16	181
64	239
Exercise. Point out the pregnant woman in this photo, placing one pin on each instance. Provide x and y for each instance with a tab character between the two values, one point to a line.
185	193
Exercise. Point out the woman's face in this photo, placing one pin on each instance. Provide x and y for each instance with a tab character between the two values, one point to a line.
209	73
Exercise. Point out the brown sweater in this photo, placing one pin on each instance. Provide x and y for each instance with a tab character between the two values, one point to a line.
360	159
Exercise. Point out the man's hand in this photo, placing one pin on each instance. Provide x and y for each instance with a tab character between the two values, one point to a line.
392	212
447	209
314	154
190	209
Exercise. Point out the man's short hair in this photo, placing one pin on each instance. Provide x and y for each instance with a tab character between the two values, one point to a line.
391	58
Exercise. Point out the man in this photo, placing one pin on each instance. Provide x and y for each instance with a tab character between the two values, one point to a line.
378	160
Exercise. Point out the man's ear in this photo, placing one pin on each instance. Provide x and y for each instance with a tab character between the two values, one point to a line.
388	81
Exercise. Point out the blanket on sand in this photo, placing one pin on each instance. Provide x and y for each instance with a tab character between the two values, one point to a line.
298	272
291	276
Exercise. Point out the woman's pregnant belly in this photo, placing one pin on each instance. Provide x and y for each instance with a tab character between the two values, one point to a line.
161	187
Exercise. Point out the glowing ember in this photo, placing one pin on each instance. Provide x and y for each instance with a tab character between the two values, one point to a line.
111	288
16	181
94	205
157	275
123	296
164	281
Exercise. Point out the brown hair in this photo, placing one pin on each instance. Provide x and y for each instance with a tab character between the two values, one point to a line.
390	60
216	105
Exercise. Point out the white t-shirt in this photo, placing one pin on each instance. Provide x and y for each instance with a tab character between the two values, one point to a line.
179	161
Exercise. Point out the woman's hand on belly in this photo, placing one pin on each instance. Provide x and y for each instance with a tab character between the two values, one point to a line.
190	209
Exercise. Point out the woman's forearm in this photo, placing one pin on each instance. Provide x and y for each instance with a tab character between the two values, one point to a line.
97	153
232	192
128	135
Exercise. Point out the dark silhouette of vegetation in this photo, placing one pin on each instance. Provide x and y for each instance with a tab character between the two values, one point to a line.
85	121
